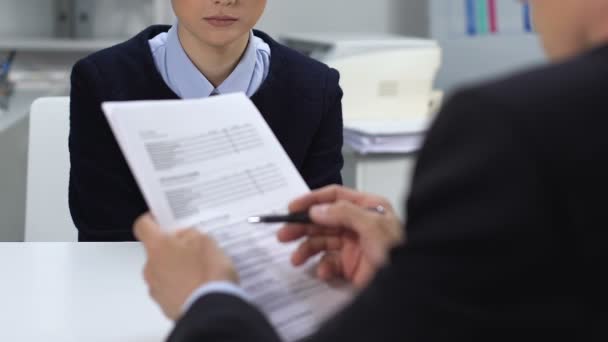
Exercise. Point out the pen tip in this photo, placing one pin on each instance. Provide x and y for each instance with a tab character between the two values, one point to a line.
254	219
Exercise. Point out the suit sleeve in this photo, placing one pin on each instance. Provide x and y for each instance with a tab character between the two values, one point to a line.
324	162
103	196
223	318
480	263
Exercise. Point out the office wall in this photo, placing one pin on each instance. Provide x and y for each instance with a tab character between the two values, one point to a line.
473	59
35	18
26	18
410	17
464	60
378	16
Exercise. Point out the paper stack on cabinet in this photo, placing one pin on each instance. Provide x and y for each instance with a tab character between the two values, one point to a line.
386	136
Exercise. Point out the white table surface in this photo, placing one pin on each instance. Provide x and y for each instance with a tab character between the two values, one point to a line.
76	292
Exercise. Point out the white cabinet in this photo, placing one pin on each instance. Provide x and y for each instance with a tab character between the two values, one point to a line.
387	175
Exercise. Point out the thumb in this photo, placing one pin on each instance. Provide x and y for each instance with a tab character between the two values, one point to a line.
147	230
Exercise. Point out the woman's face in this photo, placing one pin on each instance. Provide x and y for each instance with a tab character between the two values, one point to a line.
218	22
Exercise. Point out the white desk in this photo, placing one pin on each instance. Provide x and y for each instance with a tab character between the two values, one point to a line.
68	292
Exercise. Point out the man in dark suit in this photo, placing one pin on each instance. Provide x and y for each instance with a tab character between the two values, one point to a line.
507	226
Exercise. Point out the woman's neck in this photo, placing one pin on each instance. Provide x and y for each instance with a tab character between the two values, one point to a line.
215	62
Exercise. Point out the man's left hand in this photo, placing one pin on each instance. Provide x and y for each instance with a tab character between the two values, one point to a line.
179	263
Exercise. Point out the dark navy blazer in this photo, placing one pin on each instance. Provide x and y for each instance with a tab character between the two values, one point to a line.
300	100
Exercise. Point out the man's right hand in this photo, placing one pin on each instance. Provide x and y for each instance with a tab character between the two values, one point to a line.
354	241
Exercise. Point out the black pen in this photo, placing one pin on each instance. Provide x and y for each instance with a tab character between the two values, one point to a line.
302	217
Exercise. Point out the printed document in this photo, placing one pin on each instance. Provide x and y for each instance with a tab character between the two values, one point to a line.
212	163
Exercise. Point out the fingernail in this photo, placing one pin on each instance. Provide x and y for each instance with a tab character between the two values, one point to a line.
319	211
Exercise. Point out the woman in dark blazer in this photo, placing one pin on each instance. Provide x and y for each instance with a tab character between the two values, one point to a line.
211	50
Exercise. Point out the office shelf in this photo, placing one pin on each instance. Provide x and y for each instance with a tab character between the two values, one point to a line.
38	35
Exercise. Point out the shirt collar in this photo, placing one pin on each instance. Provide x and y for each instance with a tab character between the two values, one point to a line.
190	83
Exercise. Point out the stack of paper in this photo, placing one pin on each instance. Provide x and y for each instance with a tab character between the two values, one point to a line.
213	163
385	136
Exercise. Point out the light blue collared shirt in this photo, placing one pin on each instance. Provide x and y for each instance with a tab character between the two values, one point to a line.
187	82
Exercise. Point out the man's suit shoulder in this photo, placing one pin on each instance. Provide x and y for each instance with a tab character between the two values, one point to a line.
549	89
550	106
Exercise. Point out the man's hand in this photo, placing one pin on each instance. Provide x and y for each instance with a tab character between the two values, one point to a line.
354	241
179	263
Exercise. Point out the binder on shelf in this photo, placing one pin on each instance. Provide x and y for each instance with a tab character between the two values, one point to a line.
83	18
63	18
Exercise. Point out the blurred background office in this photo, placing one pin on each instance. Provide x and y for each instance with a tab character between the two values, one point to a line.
472	40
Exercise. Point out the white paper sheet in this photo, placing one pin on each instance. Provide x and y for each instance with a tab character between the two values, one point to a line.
212	163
